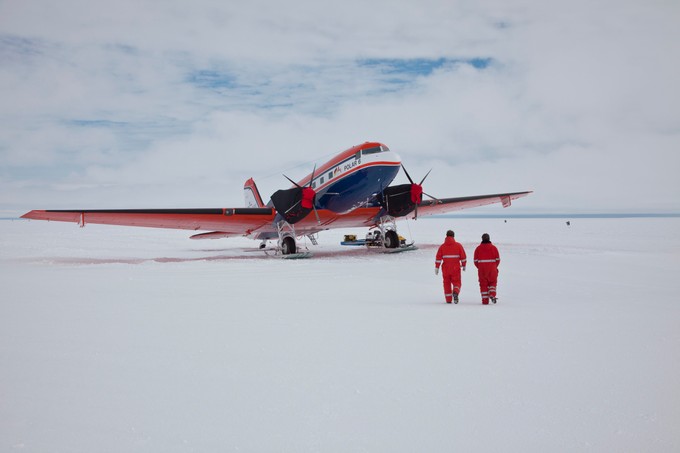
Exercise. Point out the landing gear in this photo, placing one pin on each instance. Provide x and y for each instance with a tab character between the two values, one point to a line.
391	239
388	230
287	245
385	237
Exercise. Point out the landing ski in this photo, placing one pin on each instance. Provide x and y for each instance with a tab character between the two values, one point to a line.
403	248
274	252
296	256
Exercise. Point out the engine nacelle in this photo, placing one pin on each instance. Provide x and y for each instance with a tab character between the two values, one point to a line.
294	204
401	200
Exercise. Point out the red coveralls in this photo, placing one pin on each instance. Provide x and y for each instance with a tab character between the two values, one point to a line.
487	260
451	257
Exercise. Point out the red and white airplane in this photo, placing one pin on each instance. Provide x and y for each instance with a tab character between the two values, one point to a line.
350	190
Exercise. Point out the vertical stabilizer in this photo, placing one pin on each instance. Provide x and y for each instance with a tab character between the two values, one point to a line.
252	195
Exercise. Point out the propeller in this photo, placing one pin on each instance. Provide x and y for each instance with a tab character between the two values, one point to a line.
400	200
296	203
417	190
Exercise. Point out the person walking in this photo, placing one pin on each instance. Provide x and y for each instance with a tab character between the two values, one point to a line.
486	260
451	257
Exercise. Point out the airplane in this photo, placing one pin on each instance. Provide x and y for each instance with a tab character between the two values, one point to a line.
350	190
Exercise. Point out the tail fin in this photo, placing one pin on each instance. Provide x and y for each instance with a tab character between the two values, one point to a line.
252	195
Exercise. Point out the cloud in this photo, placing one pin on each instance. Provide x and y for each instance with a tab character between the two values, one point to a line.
155	103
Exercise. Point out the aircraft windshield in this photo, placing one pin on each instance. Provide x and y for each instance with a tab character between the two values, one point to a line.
377	149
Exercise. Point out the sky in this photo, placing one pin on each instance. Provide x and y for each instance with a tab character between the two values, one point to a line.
146	104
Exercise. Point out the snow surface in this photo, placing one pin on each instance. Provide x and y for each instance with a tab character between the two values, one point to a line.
140	340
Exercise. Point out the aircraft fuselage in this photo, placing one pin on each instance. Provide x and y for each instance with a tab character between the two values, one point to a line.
353	178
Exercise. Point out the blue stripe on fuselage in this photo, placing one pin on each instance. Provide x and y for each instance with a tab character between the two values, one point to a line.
356	189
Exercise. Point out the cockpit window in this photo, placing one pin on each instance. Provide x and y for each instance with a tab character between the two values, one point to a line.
377	149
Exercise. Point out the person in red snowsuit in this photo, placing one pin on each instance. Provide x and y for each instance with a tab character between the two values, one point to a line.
487	260
451	257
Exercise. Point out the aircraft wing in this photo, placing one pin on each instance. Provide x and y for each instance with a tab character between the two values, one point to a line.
230	222
253	222
217	223
444	205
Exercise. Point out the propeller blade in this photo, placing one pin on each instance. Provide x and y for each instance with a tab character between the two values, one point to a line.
434	198
423	180
289	209
294	183
407	175
318	220
312	178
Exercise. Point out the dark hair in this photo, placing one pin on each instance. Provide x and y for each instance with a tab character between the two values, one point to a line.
486	237
450	233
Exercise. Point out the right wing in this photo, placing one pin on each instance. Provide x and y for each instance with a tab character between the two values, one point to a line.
219	223
230	222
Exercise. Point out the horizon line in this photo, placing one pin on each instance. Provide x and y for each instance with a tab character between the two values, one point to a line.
564	215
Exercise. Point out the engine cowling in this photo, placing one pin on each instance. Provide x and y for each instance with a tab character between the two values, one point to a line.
294	204
401	200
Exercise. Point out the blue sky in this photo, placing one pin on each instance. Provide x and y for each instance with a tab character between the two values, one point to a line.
166	104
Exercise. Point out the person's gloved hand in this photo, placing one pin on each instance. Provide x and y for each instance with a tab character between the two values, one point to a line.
436	271
463	268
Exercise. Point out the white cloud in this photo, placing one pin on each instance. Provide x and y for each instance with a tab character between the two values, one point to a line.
573	100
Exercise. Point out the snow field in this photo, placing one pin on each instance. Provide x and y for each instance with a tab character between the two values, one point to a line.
125	339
